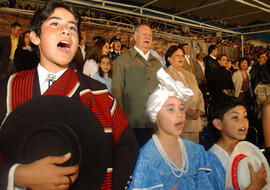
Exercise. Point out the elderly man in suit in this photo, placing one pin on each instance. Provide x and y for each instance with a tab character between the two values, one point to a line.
8	45
134	78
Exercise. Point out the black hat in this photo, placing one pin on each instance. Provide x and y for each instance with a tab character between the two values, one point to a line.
115	38
55	125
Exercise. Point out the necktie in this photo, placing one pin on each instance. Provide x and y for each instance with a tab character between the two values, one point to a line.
51	79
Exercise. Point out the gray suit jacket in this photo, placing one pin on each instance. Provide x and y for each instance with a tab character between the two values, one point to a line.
198	72
134	79
189	67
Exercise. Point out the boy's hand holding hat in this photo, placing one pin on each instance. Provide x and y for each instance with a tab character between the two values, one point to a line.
247	164
40	131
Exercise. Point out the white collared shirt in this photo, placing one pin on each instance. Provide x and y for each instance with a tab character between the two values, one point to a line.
213	57
145	56
222	155
42	75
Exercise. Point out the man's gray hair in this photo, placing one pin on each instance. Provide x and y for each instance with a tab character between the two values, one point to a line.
138	27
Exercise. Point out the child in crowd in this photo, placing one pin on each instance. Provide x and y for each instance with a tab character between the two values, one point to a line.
229	125
55	30
166	161
104	74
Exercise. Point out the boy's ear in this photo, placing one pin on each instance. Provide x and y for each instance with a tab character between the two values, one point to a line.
34	38
217	124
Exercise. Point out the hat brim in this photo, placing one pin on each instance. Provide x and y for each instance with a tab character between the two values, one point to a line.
40	112
249	150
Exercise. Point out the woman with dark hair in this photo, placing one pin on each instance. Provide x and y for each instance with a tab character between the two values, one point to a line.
241	80
25	56
174	60
223	77
100	48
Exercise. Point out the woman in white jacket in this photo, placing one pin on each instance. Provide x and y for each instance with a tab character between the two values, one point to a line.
241	80
100	48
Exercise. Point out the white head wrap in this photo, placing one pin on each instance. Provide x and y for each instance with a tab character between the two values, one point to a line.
167	87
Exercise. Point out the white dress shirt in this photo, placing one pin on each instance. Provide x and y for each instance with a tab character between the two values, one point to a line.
42	75
145	56
43	83
213	57
222	155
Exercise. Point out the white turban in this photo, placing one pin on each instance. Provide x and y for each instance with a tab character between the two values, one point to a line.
167	87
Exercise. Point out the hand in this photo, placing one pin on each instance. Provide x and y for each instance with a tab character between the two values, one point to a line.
44	174
190	113
262	100
257	179
193	114
198	114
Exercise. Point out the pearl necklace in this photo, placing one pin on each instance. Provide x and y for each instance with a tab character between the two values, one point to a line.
167	159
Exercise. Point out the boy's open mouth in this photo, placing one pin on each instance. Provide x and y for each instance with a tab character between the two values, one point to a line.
243	130
63	44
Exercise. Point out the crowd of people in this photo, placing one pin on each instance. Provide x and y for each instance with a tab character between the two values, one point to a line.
126	21
149	105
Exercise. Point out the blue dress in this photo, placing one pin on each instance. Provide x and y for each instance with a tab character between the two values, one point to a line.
205	172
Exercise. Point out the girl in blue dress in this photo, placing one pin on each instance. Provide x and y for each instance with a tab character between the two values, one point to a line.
166	161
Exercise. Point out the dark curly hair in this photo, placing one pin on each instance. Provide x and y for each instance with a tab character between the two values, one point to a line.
43	14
